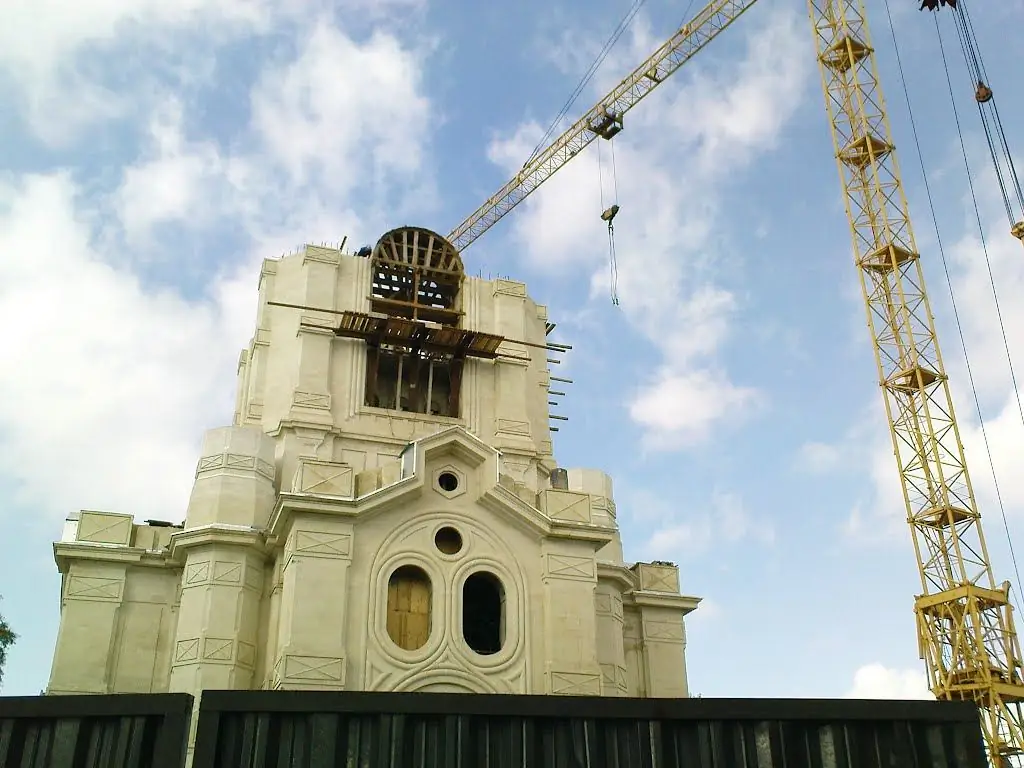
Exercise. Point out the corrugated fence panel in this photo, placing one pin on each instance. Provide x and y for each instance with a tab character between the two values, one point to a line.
117	731
288	729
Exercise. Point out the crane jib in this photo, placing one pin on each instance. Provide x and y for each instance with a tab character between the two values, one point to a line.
670	56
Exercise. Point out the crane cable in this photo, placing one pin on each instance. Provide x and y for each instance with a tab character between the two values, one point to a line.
608	214
981	229
588	76
995	135
952	294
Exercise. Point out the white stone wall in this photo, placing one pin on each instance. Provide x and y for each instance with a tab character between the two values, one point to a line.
303	509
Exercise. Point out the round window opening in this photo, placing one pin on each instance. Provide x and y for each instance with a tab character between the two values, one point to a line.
448	481
448	540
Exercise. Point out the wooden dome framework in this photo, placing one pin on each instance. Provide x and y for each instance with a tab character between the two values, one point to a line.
417	274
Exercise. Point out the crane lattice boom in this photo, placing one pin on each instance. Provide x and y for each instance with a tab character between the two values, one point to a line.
965	621
605	119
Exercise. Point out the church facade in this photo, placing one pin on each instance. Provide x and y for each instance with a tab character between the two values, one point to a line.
385	513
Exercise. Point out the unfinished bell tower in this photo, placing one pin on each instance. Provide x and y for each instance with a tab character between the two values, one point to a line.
385	512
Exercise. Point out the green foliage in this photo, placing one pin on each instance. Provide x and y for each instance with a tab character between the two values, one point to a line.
7	638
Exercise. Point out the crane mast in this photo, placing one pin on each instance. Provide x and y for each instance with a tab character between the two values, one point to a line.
965	627
964	620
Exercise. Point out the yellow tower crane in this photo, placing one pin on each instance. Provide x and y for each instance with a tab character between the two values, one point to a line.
964	619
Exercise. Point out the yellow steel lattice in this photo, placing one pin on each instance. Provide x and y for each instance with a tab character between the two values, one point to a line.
965	622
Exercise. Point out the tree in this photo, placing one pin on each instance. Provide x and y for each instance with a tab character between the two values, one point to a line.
7	638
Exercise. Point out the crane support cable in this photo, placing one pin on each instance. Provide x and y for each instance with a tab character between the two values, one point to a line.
588	75
952	297
995	135
965	621
709	22
981	228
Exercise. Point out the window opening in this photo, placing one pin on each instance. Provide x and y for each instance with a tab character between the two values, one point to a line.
448	540
448	481
483	613
412	381
409	607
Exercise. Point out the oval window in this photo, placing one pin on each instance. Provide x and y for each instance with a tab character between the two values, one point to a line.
483	613
409	599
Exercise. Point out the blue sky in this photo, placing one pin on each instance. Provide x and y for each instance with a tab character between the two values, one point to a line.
151	154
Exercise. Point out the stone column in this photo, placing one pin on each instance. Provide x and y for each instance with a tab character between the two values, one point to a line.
570	622
223	554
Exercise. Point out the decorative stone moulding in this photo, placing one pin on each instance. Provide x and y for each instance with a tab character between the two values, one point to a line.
449	481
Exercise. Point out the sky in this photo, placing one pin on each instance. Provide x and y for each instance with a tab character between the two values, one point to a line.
152	154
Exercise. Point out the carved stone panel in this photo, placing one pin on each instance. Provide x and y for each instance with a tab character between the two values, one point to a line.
326	477
567	506
574	683
658	578
570	567
105	528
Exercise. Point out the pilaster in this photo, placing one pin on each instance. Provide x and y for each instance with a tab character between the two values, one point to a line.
311	397
570	633
512	426
313	614
83	661
663	642
251	409
610	642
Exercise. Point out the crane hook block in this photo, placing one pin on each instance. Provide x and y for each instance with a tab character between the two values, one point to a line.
1017	230
983	93
609	213
932	5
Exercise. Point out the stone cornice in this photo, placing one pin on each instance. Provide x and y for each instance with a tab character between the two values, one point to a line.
615	572
182	541
645	599
64	552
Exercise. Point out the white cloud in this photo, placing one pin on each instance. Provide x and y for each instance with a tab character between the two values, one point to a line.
876	681
109	379
669	270
181	181
681	409
108	384
344	112
818	457
687	532
73	59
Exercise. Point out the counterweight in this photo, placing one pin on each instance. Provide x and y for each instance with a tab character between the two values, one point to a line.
965	621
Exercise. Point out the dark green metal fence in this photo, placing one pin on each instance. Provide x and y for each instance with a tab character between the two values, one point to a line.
379	730
118	731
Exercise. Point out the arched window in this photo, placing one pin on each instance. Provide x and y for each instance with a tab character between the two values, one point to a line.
483	613
409	607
